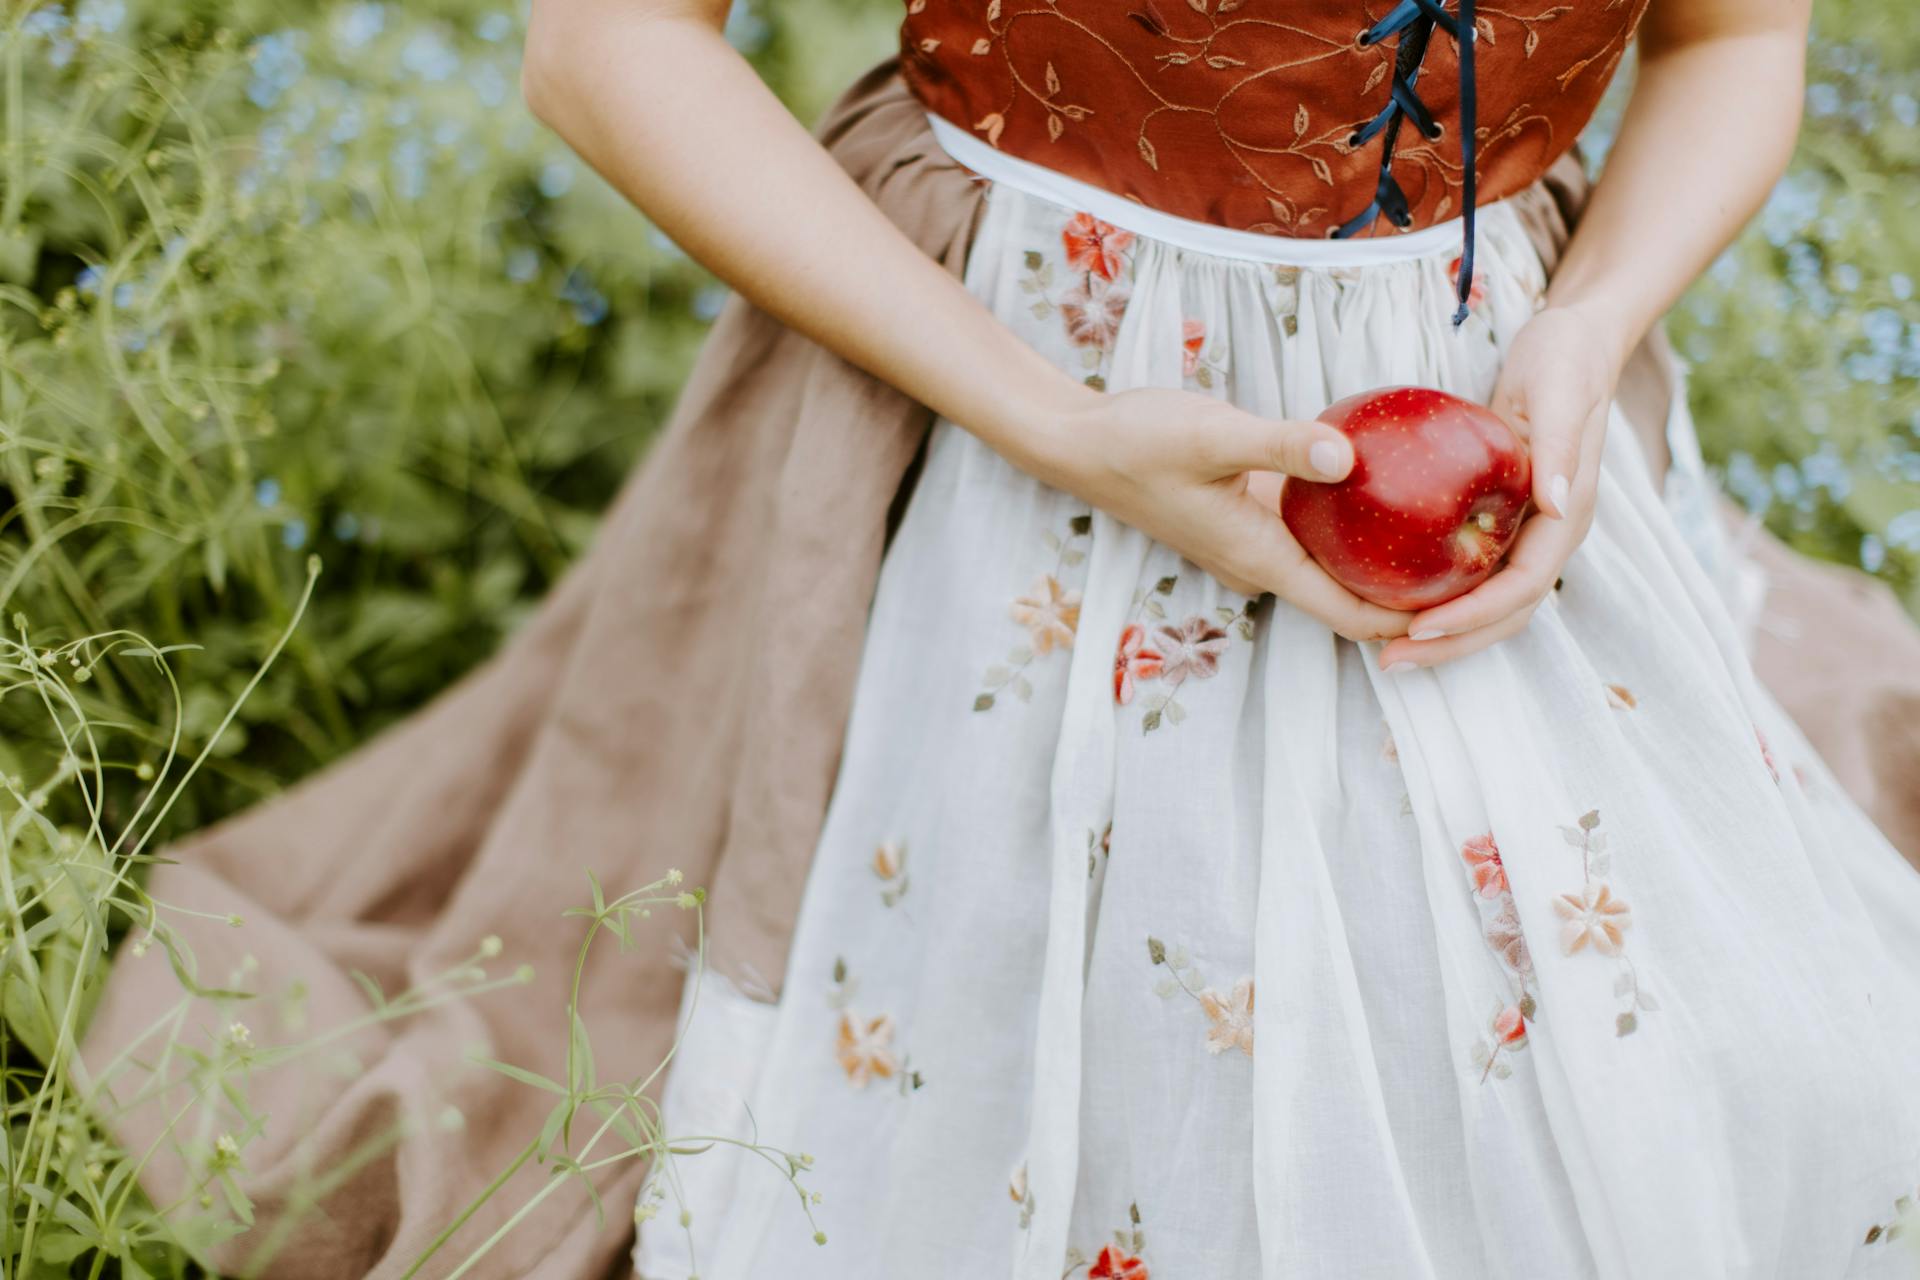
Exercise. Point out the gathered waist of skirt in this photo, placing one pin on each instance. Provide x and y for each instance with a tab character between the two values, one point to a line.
1189	233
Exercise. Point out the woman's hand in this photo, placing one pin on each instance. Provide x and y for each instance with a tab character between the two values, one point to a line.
1175	465
1555	389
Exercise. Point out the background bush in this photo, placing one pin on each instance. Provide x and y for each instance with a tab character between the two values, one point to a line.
282	282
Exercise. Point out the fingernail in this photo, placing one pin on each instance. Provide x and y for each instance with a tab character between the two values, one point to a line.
1557	490
1399	668
1428	635
1324	456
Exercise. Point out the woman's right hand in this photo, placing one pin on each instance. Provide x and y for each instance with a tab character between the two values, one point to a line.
1203	476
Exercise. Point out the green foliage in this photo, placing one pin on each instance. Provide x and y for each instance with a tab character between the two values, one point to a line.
284	284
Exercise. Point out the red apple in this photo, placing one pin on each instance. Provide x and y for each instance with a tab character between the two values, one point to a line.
1435	497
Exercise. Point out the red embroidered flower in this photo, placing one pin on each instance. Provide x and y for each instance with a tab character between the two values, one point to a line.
1115	1263
1093	245
1765	754
1476	291
1193	336
1509	1027
1483	860
1092	310
1133	661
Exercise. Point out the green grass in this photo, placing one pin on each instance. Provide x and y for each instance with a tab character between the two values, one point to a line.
314	325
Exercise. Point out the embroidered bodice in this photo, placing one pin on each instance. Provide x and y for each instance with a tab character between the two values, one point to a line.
1244	112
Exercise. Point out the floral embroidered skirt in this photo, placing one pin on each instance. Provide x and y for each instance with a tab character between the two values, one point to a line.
1153	931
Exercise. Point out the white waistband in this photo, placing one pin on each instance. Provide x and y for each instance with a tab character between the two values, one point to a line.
1187	233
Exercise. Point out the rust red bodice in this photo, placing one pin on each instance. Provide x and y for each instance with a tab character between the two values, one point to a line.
1238	112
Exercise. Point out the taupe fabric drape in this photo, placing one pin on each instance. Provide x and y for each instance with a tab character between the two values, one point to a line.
677	702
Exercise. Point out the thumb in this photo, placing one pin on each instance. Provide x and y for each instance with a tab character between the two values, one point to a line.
1249	442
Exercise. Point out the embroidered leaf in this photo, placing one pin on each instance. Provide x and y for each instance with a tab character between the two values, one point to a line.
1646	1001
1156	950
1041	310
982	45
1626	1024
1375	76
1226	6
1147	154
1444	208
1020	655
1072	557
993	12
1574	836
1623	984
1291	324
1484	28
1157	609
1180	957
839	969
915	6
1245	628
1481	1054
997	676
1133	1215
1054	127
1590	819
1300	119
993	122
1053	80
1501	1071
1150	722
983	703
1165	585
1023	689
1095	381
1321	171
1204	376
1533	41
1075	111
1175	712
1081	524
1220	62
1527	1005
1198	6
1155	701
1600	863
929	45
1224	613
1165	987
1620	698
1052	540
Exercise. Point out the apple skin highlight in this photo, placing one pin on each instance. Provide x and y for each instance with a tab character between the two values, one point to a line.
1438	489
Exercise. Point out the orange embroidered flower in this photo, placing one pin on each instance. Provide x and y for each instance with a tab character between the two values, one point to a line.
1193	335
1592	915
1094	246
1050	613
1231	1017
888	859
1115	1263
1092	310
1133	661
866	1048
1482	856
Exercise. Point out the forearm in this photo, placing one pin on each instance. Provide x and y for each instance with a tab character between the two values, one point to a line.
670	113
1707	132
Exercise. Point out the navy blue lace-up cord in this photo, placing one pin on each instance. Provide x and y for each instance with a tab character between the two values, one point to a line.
1414	21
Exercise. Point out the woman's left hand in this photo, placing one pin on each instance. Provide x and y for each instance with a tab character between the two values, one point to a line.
1555	389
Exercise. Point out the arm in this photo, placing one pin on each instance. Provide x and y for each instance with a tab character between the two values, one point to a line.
1708	131
650	93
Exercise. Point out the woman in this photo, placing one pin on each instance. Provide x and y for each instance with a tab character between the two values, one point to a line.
1570	958
1552	955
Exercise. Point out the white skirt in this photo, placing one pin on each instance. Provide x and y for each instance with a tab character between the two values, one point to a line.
1571	958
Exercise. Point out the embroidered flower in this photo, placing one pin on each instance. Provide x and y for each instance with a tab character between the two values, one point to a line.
1193	336
1766	754
1093	309
1050	612
1231	1016
866	1048
1504	936
1592	915
1476	292
1483	861
1191	648
1133	661
890	865
1510	1027
1115	1263
1094	246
